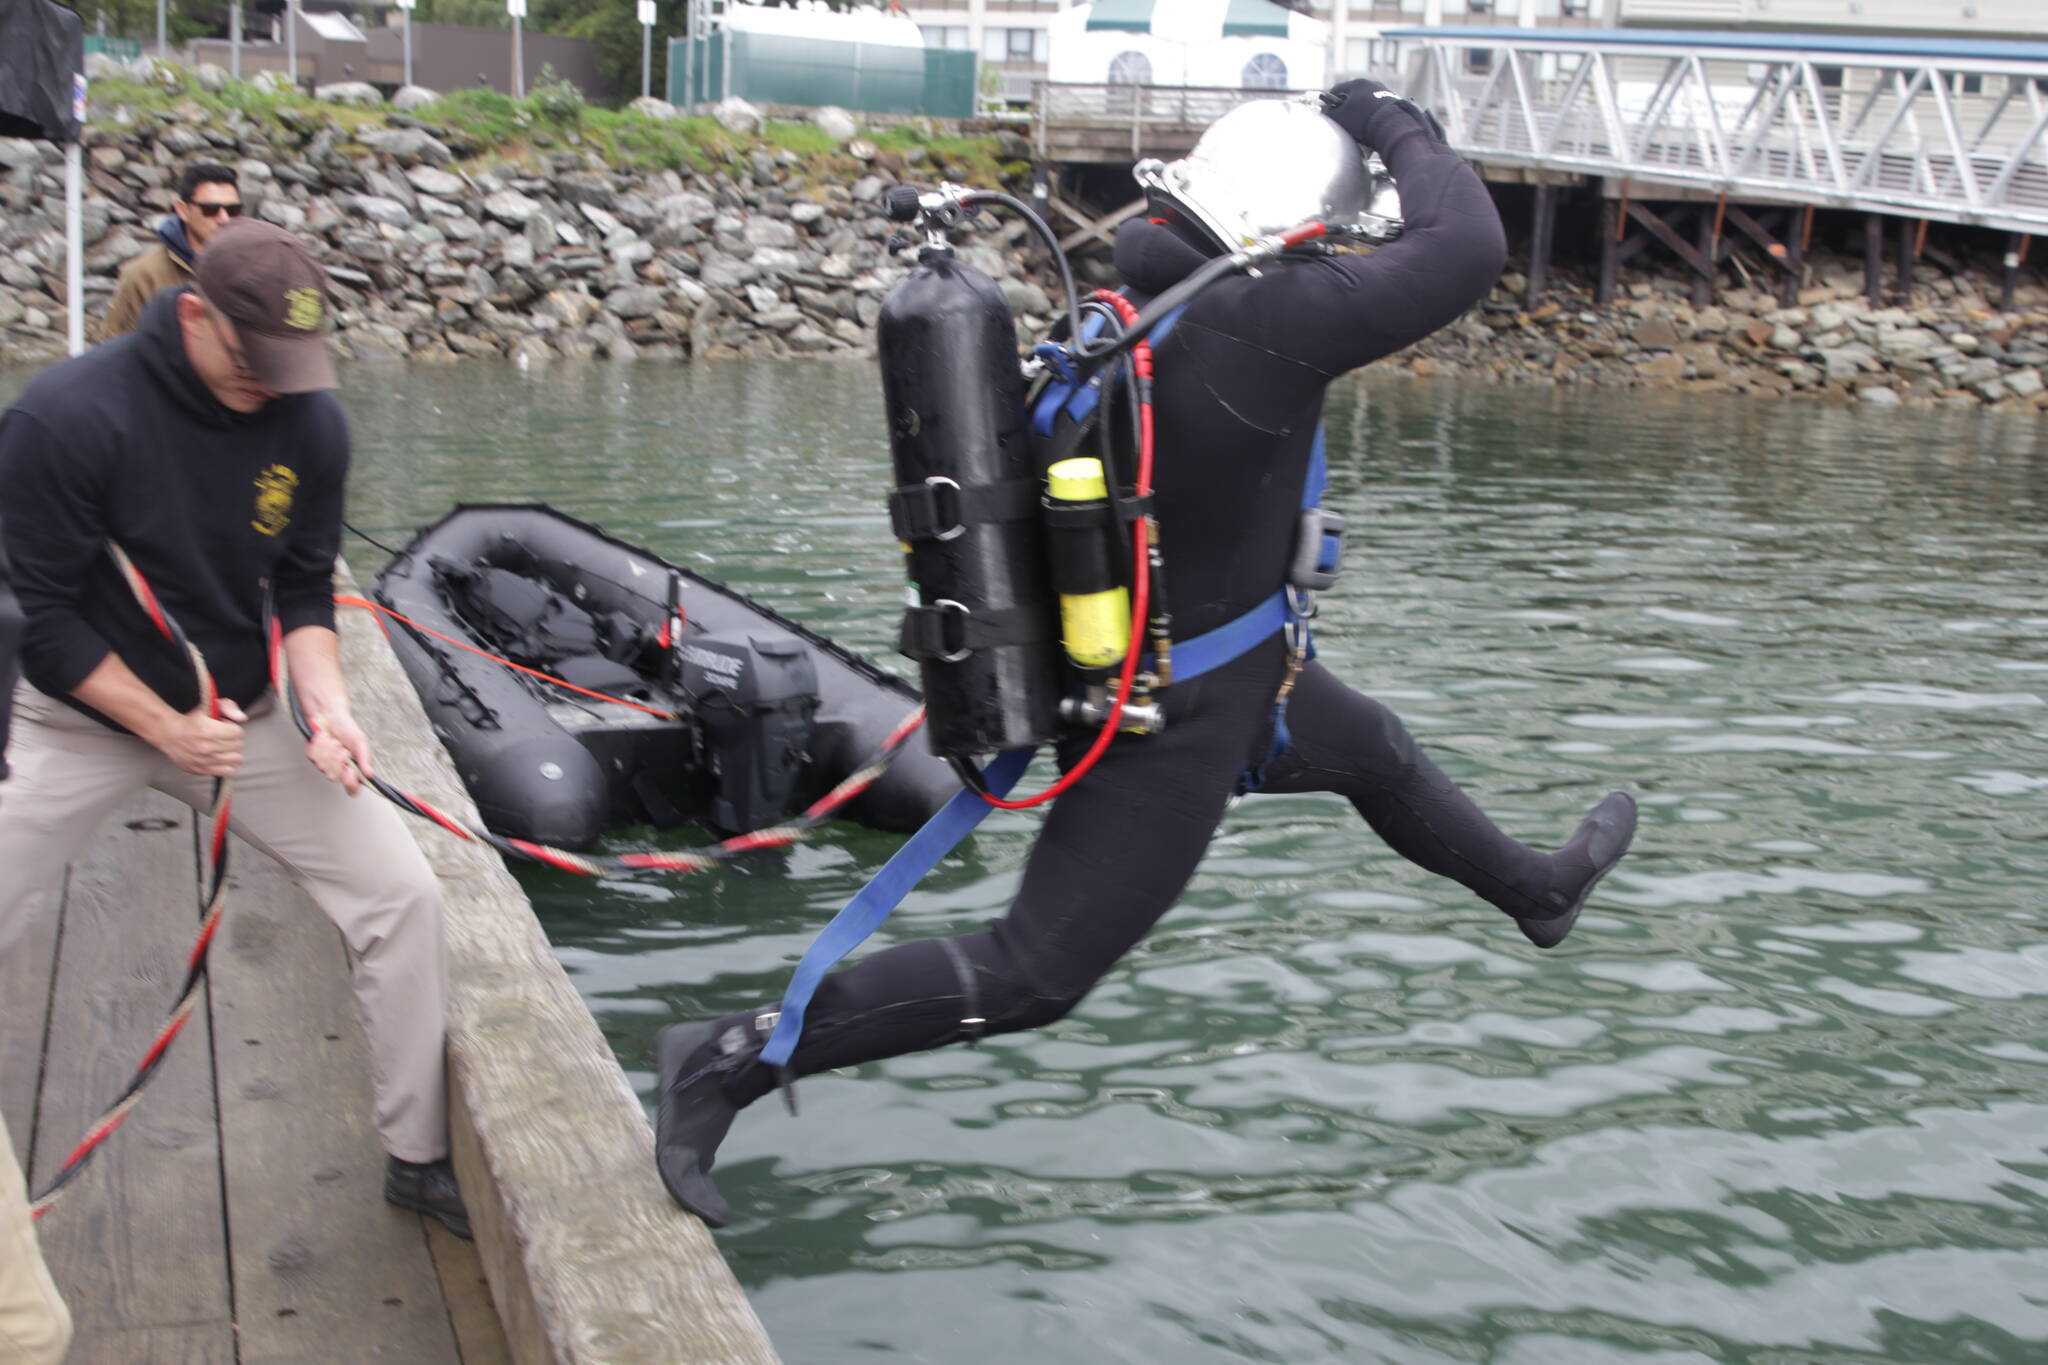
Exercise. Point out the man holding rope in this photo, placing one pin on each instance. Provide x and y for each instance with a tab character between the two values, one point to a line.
35	1326
206	447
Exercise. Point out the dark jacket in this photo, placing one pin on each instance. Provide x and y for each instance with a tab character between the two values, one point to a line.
1241	377
126	444
143	278
10	651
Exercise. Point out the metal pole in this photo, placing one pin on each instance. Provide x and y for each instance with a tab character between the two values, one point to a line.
291	42
235	41
74	246
405	24
162	45
518	62
646	61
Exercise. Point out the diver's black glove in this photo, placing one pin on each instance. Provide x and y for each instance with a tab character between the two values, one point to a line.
1362	107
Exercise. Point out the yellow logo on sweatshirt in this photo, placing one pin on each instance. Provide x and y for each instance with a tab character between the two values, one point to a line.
274	489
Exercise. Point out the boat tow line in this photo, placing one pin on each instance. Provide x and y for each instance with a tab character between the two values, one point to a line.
213	903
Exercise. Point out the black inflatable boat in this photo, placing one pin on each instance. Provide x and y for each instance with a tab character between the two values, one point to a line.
746	716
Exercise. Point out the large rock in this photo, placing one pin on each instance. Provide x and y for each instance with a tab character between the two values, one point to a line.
430	180
274	83
359	93
379	209
836	123
411	97
649	107
210	77
738	116
409	146
100	67
761	231
512	208
635	301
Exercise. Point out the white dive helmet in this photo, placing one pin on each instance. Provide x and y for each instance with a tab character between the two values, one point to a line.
1274	164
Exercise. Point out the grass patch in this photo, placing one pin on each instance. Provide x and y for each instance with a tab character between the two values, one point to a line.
488	127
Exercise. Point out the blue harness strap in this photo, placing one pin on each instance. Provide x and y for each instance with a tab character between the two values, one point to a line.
872	904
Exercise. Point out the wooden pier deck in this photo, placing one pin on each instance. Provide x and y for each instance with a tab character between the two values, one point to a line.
238	1216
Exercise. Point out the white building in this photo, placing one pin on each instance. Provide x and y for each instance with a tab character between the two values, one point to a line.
1012	37
1229	44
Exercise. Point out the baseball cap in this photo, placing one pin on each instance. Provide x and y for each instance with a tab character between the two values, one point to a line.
262	279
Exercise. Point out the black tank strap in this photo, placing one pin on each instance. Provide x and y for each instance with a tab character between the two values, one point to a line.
947	631
940	509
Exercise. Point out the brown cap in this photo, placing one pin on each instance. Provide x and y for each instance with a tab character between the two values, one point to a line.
263	280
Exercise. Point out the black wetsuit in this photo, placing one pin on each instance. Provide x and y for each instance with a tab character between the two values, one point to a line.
1238	397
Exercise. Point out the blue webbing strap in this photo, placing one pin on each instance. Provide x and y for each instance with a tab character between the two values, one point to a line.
864	914
873	903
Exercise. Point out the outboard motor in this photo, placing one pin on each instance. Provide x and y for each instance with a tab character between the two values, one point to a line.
754	697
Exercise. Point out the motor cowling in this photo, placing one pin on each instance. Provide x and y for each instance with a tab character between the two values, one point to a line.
754	700
982	621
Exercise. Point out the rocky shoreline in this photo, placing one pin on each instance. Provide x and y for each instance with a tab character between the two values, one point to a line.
443	249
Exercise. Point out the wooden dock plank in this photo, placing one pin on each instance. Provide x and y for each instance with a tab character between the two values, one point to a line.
318	1257
28	957
589	1259
472	1312
136	1245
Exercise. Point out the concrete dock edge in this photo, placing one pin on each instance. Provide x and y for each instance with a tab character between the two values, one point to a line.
589	1261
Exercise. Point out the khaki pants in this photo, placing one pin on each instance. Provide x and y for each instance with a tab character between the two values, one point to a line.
352	855
35	1327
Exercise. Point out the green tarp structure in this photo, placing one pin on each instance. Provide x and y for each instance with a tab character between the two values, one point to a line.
1256	19
871	78
1124	16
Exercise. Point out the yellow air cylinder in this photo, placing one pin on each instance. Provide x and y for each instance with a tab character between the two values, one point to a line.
1095	611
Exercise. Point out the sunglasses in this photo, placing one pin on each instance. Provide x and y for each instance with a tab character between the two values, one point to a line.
216	210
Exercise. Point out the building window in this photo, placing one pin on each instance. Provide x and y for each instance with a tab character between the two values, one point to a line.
1130	68
1969	83
945	35
1478	61
1830	77
1015	45
1265	72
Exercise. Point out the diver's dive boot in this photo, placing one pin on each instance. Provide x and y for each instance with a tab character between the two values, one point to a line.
1593	850
694	1108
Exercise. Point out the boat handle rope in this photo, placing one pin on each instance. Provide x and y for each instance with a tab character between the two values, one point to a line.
214	902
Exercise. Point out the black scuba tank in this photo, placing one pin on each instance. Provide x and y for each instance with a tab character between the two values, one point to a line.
983	623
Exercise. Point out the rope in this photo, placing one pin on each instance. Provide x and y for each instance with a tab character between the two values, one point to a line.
214	906
585	865
215	901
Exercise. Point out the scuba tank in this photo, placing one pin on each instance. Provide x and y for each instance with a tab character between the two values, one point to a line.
981	622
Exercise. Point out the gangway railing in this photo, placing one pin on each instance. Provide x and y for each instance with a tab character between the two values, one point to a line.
1954	132
1143	109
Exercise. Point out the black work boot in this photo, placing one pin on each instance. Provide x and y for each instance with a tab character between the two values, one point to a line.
427	1187
1593	850
694	1105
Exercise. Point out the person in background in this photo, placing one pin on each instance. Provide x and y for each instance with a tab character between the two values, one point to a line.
35	1326
208	196
205	445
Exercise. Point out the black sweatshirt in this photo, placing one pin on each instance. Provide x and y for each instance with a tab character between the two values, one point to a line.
1241	377
10	651
126	444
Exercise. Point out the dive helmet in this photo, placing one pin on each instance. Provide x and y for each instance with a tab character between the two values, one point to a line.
1270	165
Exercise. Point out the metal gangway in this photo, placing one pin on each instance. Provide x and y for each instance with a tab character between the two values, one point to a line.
1951	130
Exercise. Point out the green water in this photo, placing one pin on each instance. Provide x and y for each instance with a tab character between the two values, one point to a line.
1783	1097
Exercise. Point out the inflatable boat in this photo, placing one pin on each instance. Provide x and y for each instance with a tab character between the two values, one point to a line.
684	701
